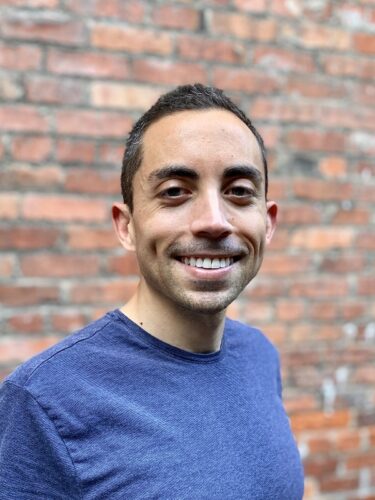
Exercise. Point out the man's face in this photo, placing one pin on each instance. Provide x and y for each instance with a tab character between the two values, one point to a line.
200	220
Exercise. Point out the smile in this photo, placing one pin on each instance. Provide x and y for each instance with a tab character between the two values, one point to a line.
208	262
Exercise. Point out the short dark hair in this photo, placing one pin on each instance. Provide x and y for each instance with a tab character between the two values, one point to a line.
183	98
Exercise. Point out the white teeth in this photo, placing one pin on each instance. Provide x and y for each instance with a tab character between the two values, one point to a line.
207	262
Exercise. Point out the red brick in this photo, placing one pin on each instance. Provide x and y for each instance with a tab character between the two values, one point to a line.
355	216
31	148
22	118
113	292
7	264
168	73
366	240
200	48
258	312
10	88
343	264
333	483
281	110
286	8
75	151
26	323
319	288
300	403
93	123
111	153
277	334
318	36
92	181
243	26
266	288
283	59
324	310
316	140
342	65
317	189
27	295
20	57
63	208
298	213
114	95
46	4
131	11
351	310
323	238
24	176
86	238
21	349
176	17
44	28
365	375
319	420
9	205
244	80
88	64
290	310
23	238
364	43
285	265
130	39
55	90
316	89
123	265
361	460
271	137
366	285
333	166
251	5
55	265
320	466
68	322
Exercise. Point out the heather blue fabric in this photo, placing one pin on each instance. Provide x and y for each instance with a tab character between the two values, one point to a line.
114	413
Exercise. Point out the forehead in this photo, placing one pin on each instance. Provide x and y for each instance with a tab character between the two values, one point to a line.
198	138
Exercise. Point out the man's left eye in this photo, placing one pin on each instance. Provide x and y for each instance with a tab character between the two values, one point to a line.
240	191
173	192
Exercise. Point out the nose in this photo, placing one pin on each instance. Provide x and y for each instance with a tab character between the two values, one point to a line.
209	217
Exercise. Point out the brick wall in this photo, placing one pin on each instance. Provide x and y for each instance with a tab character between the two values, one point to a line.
74	74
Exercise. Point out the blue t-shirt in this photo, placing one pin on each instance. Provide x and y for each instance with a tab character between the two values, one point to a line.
112	412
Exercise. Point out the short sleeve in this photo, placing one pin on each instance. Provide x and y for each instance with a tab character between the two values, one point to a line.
34	462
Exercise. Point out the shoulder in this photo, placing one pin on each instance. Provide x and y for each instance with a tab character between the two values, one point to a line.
57	360
242	336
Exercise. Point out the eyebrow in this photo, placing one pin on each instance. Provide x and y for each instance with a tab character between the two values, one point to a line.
173	171
248	171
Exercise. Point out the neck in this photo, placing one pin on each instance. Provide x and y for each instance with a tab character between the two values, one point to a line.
188	330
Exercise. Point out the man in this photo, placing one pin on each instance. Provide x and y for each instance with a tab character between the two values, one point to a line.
165	398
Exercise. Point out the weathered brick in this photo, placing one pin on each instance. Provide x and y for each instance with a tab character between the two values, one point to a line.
320	420
343	65
322	37
176	17
7	265
316	140
168	73
200	48
56	265
75	151
333	166
68	322
24	176
85	238
318	288
50	90
20	57
111	153
21	349
44	28
123	265
114	95
298	213
92	123
27	295
251	5
23	238
323	238
111	292
317	189
354	216
10	89
9	205
366	285
248	81
132	11
333	483
84	180
26	323
46	4
361	460
283	59
31	148
88	64
364	43
63	208
290	310
285	265
22	118
129	39
317	89
242	26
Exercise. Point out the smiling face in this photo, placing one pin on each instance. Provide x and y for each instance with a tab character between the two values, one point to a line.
200	220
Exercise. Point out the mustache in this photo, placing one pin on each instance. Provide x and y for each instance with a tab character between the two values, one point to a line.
202	247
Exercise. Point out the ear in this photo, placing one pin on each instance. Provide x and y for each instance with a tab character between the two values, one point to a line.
124	225
271	220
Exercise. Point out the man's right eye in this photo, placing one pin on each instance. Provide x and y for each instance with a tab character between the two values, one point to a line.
173	192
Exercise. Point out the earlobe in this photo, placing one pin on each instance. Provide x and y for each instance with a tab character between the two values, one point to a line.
124	225
271	220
